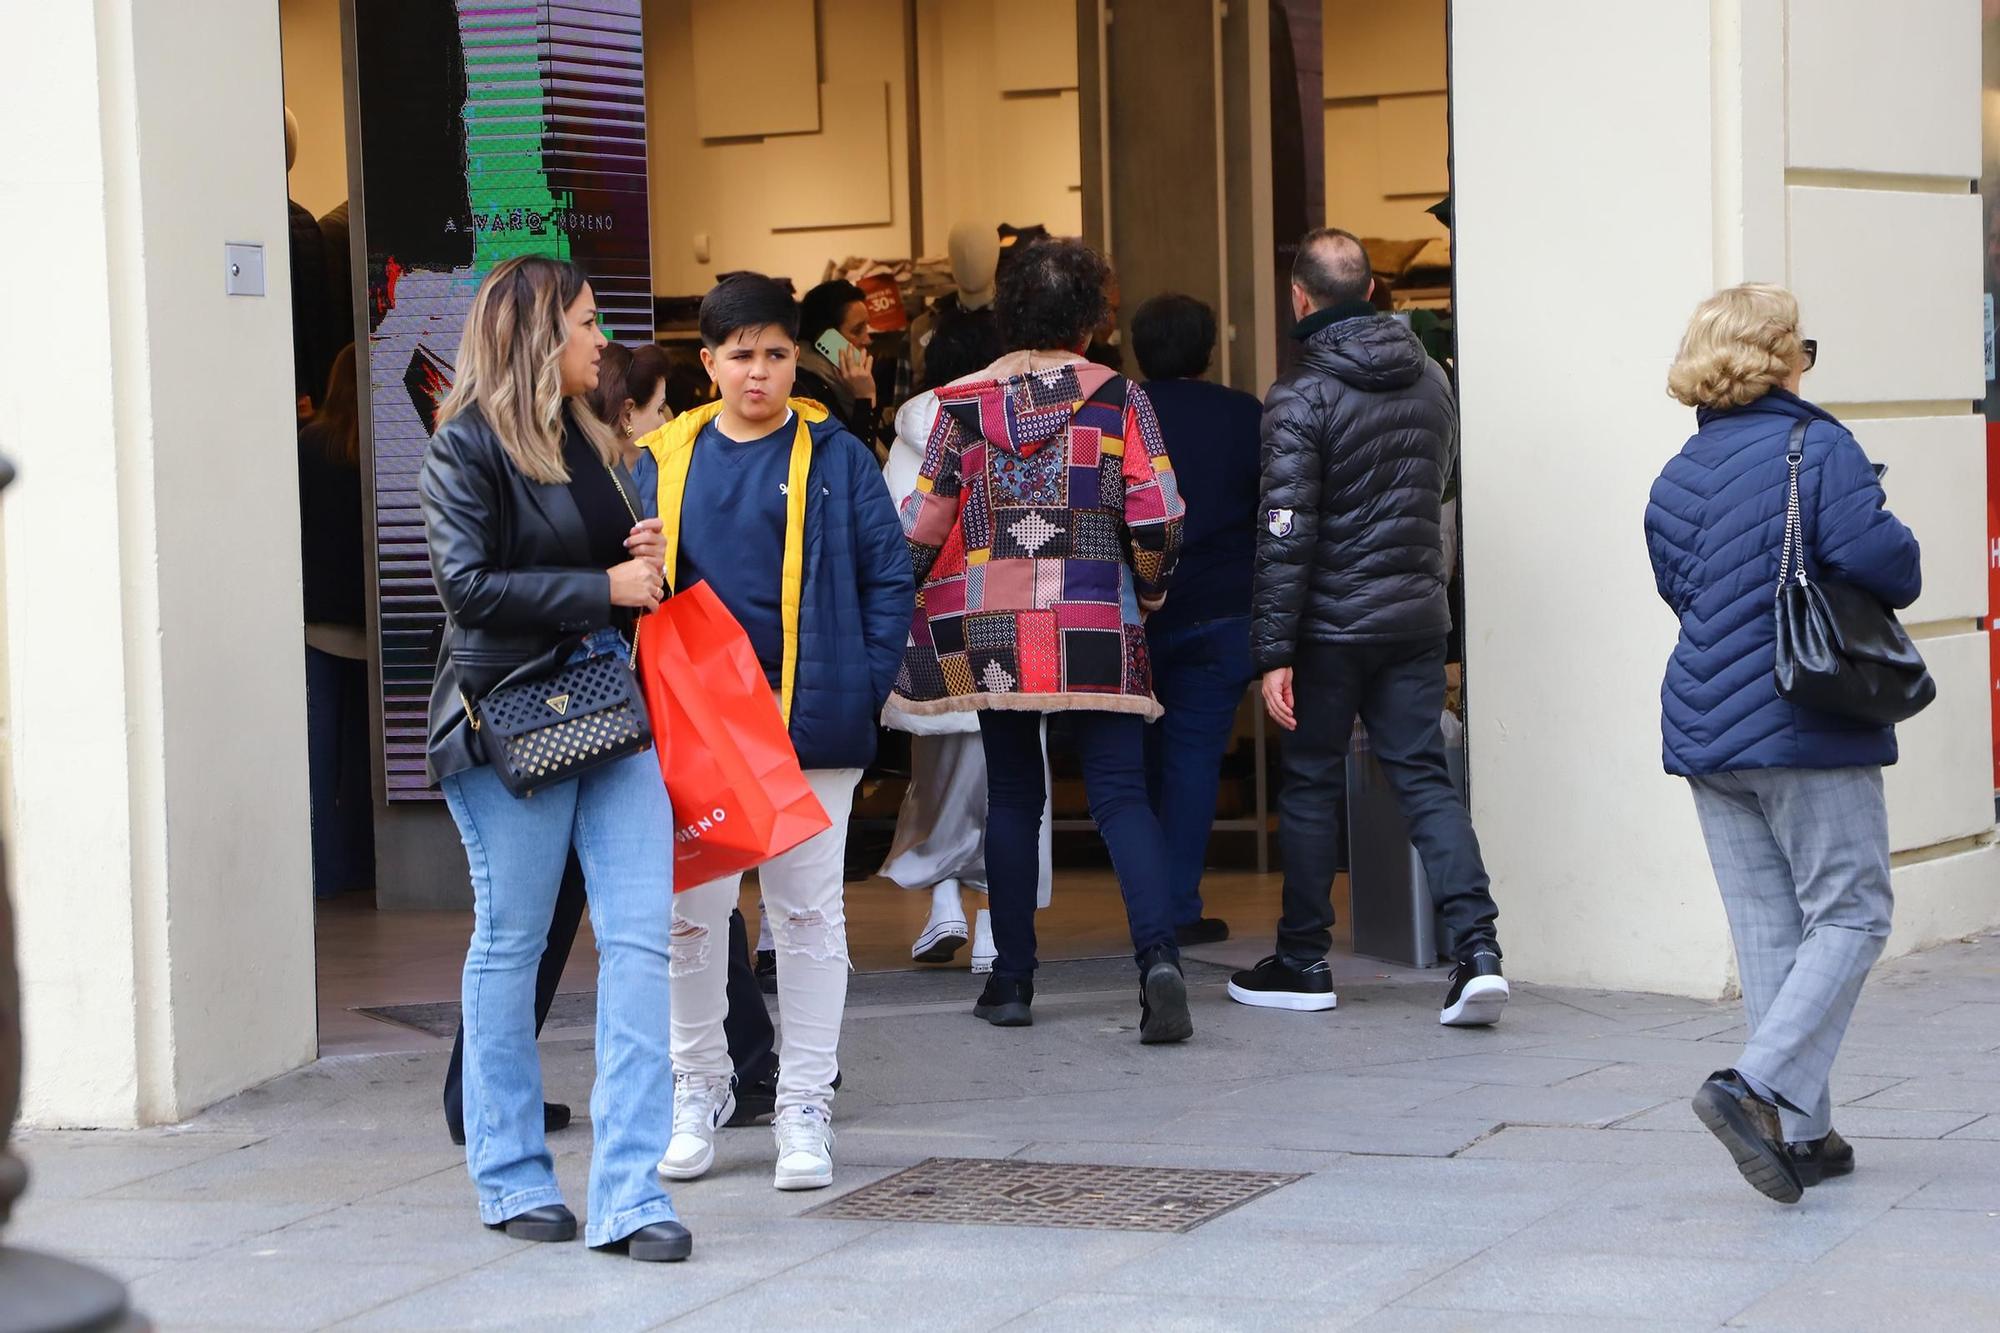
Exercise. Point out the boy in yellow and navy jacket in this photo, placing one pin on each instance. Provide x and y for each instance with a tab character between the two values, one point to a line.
785	515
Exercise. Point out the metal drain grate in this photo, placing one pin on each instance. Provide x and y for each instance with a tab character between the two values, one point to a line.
988	1192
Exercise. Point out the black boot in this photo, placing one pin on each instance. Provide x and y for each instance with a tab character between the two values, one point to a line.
1822	1159
1005	1002
657	1243
551	1222
1163	1003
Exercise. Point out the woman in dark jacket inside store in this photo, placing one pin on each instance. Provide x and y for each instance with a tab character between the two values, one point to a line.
836	314
1789	799
334	561
538	556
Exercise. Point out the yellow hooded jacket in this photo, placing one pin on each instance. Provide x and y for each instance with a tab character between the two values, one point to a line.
672	447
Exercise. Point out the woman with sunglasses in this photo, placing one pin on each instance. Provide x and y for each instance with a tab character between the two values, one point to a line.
1789	799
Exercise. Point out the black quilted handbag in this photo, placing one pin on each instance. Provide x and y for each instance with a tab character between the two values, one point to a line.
552	727
1840	650
539	727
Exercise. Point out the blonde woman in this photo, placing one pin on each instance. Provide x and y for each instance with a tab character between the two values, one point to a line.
1790	800
538	558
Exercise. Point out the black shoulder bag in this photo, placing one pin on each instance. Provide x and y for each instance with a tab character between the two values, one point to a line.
1840	650
539	727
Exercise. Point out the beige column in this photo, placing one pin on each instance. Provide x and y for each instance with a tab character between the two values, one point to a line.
1654	153
155	710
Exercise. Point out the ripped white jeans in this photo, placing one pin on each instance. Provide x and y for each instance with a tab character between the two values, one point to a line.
803	895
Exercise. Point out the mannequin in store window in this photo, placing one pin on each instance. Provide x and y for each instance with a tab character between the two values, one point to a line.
835	369
958	335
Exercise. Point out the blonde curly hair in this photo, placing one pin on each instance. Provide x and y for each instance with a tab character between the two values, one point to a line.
1742	343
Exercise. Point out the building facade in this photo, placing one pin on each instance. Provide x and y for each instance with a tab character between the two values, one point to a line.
1611	164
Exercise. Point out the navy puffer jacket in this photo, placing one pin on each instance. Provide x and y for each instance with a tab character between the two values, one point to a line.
1715	527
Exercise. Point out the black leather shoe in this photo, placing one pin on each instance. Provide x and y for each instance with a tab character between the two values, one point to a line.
1202	930
658	1243
1163	1004
1005	1002
1748	1127
552	1222
555	1116
1822	1159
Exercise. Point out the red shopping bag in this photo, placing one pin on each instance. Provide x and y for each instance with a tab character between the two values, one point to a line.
739	797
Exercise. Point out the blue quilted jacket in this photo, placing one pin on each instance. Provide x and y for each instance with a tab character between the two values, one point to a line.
1715	526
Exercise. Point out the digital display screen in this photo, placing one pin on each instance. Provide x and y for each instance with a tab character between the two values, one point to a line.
488	130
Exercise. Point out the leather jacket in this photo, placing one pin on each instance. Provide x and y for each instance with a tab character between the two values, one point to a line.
511	560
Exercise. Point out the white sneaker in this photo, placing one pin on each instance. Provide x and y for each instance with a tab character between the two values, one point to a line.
805	1148
944	934
983	951
701	1103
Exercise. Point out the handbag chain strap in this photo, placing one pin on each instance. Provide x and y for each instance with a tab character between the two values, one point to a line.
1795	536
632	655
632	651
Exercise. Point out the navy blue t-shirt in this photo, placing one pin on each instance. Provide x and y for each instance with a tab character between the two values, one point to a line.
733	531
1212	434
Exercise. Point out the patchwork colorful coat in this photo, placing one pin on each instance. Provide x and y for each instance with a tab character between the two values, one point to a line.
1045	517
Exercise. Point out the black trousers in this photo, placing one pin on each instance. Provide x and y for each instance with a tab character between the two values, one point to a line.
752	1044
1397	689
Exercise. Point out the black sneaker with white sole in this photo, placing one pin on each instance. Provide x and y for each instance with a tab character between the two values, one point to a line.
1276	984
1478	992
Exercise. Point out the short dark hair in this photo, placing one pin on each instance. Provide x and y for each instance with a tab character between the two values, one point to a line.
1174	336
1332	265
825	306
1051	296
747	301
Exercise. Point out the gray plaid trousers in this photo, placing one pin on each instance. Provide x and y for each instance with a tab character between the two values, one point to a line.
1802	858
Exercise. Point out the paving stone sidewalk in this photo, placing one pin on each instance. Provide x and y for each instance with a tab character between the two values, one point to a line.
1546	1174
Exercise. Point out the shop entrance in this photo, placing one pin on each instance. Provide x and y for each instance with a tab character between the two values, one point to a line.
1193	142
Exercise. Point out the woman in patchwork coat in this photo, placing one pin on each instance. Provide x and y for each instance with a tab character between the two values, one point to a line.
1043	527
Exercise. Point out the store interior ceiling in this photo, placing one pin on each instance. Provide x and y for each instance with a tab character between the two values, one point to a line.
838	166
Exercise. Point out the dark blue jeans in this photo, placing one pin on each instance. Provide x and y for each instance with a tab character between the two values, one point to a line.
1199	673
337	757
1397	689
1112	748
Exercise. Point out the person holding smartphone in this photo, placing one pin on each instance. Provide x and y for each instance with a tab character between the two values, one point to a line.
835	369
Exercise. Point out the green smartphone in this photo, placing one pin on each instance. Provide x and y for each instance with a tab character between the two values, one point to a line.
831	345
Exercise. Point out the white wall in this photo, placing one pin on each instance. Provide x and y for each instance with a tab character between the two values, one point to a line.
316	93
1696	168
727	189
1387	140
992	156
1597	864
156	749
1881	163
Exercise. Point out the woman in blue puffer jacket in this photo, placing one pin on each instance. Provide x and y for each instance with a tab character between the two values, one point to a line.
1790	800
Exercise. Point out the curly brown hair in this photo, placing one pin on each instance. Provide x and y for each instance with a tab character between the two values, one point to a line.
1052	296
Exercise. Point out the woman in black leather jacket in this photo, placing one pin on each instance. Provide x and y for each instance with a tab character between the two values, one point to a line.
538	554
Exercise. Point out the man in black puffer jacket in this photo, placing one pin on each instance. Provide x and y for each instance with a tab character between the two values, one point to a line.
1350	618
